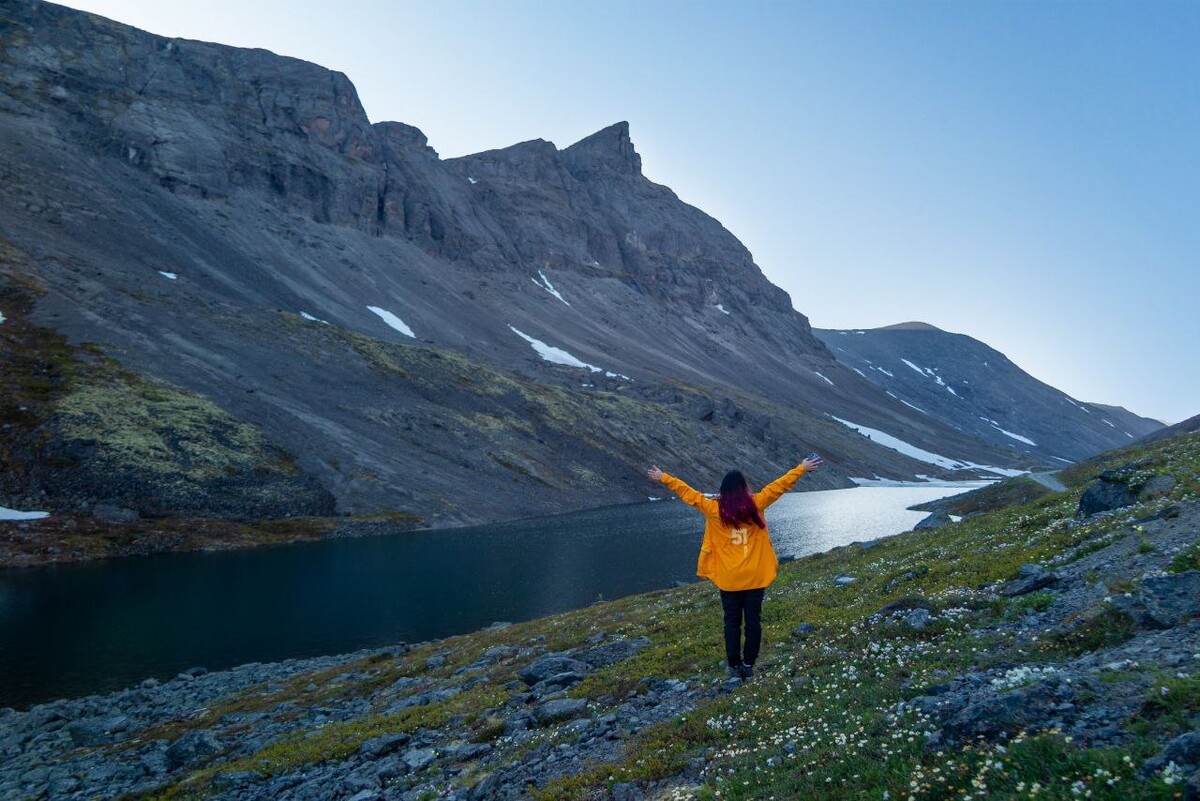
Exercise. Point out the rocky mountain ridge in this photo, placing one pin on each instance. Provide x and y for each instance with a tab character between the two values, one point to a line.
510	333
977	389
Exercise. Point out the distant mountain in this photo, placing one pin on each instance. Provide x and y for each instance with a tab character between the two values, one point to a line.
978	390
218	272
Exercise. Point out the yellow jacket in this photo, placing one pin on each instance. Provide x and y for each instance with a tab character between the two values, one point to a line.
738	558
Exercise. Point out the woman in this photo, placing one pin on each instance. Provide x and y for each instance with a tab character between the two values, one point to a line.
736	554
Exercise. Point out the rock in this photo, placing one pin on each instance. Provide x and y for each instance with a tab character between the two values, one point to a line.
917	618
842	581
559	681
110	513
233	779
365	795
499	652
1172	599
1184	751
381	746
487	787
95	731
419	758
1029	579
464	753
522	721
1034	706
192	748
561	709
613	652
156	762
626	791
551	664
804	629
435	662
1156	487
1107	493
935	520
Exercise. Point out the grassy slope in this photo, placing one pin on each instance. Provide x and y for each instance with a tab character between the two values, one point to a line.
817	721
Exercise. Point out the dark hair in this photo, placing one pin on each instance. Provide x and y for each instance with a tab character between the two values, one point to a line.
736	503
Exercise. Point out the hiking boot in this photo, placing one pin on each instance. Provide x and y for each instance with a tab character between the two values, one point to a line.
747	672
735	672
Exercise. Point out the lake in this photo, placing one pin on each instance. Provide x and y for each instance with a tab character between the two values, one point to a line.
73	630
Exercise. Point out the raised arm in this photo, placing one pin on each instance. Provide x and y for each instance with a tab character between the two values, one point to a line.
689	496
772	492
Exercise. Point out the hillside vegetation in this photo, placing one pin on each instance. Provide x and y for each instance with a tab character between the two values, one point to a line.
950	667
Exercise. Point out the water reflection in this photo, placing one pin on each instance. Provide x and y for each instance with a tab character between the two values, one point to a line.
78	629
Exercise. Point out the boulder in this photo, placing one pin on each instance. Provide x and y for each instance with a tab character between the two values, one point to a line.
917	618
1039	705
551	664
612	652
95	731
935	520
1029	579
1172	599
1157	487
559	681
1184	751
192	748
418	758
1104	496
381	746
561	709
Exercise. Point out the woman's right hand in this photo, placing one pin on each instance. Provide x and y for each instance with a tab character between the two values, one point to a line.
654	474
812	463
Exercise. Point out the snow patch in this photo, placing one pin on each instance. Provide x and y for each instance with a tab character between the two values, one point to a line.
855	369
1107	422
913	366
721	309
1017	437
312	319
13	514
167	275
827	381
885	372
1059	458
920	454
393	321
925	482
549	287
472	180
906	403
555	355
2	317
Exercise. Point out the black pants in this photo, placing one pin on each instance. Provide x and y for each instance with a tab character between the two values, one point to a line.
737	604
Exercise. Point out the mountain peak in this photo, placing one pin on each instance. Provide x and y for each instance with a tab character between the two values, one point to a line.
912	325
608	149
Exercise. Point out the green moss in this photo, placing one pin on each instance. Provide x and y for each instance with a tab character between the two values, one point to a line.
153	426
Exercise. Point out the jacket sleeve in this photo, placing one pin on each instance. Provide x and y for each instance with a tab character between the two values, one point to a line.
771	493
689	495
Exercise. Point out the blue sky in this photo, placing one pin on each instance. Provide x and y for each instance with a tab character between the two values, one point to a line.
1027	173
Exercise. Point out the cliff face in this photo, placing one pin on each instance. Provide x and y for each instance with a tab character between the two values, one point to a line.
513	332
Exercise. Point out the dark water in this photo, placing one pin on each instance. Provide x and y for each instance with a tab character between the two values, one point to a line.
74	630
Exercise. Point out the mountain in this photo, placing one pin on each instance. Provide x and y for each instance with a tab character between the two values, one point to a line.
978	390
219	276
